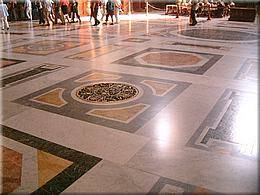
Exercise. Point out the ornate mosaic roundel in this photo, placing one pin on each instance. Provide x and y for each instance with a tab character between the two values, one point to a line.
218	34
106	92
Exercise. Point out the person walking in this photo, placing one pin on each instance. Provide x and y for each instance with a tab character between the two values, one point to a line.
48	11
103	9
74	10
194	7
178	3
110	7
3	15
12	10
28	9
118	6
95	6
57	12
64	8
39	5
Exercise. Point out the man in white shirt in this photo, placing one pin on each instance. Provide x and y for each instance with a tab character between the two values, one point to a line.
28	9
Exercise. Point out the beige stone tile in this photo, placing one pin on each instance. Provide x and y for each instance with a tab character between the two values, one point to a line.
107	177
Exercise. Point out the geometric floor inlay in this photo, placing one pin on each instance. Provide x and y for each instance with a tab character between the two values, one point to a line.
9	62
126	103
170	186
29	74
172	60
218	34
231	126
45	47
105	92
37	166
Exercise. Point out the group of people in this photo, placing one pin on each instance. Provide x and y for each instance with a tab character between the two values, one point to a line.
45	10
55	10
60	11
108	8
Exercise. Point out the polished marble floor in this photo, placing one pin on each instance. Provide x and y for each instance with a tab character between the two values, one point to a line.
151	105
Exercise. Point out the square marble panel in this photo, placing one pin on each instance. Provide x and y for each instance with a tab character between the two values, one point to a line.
45	47
9	62
172	60
46	167
231	126
120	101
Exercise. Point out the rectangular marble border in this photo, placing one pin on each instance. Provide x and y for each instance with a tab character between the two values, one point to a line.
200	71
82	163
212	120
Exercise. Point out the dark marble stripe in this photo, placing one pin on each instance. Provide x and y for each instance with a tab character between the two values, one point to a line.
81	162
196	45
26	75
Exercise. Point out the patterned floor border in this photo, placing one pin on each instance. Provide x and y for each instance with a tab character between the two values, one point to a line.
215	132
82	163
29	74
170	186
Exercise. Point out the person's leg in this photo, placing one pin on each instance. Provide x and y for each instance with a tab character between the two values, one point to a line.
117	15
103	12
42	16
61	16
72	16
107	15
112	19
193	18
30	13
95	17
78	16
2	23
46	14
6	23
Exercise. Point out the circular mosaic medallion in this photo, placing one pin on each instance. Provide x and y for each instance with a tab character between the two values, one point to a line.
218	34
105	92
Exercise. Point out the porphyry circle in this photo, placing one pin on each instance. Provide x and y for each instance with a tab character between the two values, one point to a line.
105	92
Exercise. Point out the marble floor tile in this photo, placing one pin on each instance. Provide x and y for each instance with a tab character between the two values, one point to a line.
108	177
150	105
